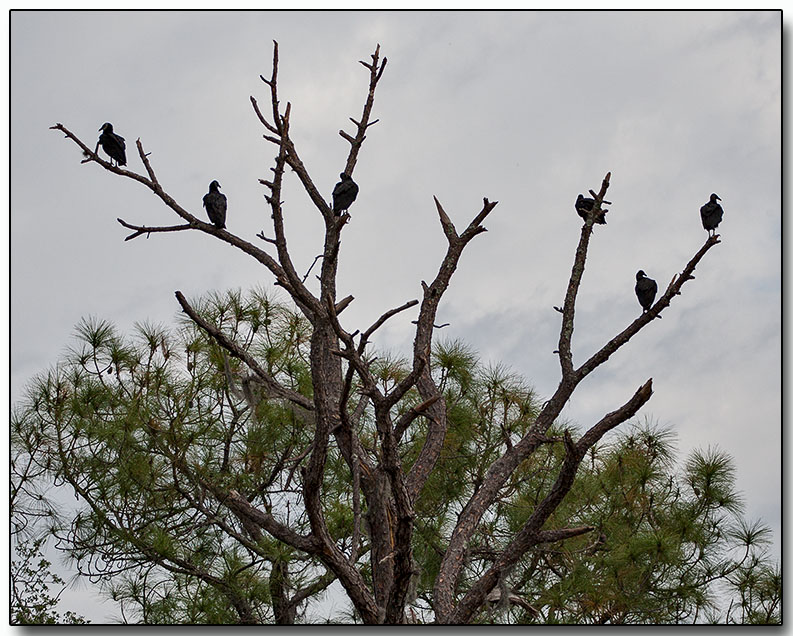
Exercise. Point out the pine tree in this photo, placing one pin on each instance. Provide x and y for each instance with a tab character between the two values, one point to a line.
233	470
164	437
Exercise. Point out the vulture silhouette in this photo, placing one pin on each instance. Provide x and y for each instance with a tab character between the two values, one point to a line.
215	203
584	205
113	145
646	288
344	193
711	214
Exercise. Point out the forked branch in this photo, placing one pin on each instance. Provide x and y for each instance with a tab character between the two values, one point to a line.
280	137
192	221
674	289
143	229
421	375
531	533
500	471
376	69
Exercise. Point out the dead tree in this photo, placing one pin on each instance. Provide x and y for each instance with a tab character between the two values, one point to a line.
339	365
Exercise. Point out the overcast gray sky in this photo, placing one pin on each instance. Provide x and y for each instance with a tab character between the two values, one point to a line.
526	108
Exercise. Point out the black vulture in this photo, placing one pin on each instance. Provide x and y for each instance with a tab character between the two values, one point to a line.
584	205
711	214
215	203
113	145
646	289
344	193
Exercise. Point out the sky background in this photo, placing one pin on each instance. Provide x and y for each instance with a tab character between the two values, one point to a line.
526	108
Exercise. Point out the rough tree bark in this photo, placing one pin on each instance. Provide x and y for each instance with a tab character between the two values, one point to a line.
338	363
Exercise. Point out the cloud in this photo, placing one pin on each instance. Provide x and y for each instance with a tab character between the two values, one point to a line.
526	108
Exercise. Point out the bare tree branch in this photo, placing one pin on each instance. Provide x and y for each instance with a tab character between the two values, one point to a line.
142	229
421	373
267	380
375	73
281	129
317	586
498	473
568	311
240	506
530	535
145	159
314	262
356	499
662	303
295	283
446	223
381	320
194	222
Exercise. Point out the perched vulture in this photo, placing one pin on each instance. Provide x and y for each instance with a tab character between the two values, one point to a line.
215	203
113	145
584	205
645	290
711	214
344	194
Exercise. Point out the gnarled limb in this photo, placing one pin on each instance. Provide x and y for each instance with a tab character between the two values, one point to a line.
317	586
381	320
404	493
235	502
499	472
421	373
194	223
332	558
531	534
